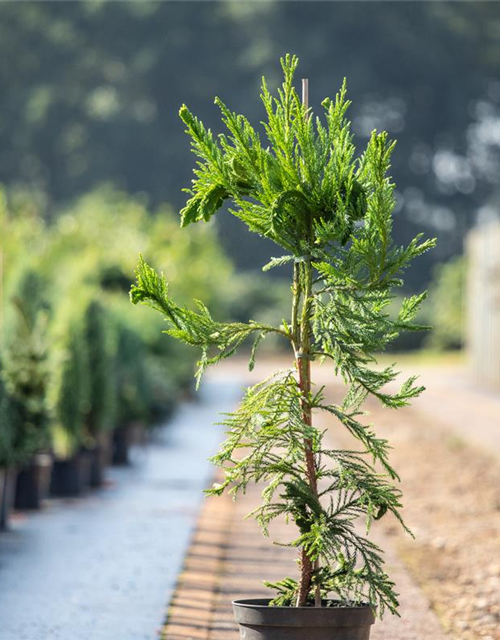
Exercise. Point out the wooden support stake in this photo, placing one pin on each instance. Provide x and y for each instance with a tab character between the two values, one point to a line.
305	92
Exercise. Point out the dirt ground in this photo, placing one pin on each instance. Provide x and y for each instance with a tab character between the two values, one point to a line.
452	504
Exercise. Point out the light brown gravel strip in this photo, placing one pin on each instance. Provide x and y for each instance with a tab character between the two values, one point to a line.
452	498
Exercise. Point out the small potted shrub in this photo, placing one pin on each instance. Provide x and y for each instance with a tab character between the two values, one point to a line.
26	379
69	394
100	414
331	212
7	418
133	392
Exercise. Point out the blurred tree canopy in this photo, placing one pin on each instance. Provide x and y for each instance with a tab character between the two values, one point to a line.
91	92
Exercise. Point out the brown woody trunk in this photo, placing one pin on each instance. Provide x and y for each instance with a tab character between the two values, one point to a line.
302	331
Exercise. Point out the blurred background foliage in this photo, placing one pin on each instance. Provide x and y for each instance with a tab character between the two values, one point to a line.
94	90
446	305
93	159
78	359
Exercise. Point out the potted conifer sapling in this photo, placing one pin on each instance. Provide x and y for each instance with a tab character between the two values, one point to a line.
330	211
26	381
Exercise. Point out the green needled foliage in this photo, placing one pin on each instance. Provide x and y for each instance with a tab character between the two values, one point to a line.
331	211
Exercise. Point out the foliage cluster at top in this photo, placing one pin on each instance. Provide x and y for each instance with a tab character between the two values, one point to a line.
331	211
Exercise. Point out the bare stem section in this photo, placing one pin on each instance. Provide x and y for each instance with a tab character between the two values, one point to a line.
302	291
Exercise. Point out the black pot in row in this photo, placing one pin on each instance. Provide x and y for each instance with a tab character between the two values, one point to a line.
27	488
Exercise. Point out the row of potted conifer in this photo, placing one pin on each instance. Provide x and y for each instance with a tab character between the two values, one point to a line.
80	374
73	388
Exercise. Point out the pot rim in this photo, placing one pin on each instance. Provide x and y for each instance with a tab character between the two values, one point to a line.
257	612
263	603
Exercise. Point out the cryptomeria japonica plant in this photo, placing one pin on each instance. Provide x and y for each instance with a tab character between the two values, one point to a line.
331	211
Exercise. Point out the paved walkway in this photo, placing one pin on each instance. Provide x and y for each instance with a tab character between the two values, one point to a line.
103	567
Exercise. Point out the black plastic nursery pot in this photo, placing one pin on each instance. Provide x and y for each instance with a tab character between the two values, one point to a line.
7	494
258	621
101	459
123	438
33	482
71	477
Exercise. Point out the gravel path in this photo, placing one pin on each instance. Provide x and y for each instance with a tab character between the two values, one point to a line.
103	567
454	402
452	498
447	448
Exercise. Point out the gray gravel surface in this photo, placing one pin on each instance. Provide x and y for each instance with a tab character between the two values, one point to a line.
103	567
